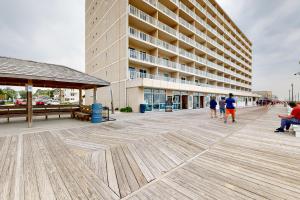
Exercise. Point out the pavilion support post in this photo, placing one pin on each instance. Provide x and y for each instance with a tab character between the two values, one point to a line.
95	95
80	97
29	103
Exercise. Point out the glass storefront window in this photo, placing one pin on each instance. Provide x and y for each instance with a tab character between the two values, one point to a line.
155	99
176	102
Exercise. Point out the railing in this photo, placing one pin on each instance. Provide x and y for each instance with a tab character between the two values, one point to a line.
202	22
147	18
138	75
167	11
155	41
143	57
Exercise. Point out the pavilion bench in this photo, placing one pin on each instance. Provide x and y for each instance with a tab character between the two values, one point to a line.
38	110
84	113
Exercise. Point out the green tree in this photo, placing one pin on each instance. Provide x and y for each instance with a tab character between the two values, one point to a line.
23	94
10	93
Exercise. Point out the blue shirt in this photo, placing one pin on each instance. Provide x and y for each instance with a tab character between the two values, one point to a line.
213	104
229	103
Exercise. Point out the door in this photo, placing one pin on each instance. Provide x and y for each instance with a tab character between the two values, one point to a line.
201	101
196	104
176	102
184	102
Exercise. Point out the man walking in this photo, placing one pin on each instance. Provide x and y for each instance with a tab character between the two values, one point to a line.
230	109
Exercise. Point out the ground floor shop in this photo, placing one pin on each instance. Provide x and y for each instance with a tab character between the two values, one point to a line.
160	99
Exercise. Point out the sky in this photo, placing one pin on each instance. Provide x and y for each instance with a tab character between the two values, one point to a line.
53	31
273	26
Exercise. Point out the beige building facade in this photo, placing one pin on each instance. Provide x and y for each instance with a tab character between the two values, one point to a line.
158	51
264	94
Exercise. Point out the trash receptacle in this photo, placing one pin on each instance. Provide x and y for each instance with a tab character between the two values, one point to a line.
142	108
96	113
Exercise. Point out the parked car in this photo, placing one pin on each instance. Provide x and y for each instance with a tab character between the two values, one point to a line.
21	102
53	102
39	103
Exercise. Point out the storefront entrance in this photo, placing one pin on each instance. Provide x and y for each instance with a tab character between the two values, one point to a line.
176	102
201	101
184	104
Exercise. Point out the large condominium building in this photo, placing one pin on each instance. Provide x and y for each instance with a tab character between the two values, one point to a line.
179	51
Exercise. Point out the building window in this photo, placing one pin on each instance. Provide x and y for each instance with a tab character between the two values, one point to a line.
143	36
143	55
132	53
132	72
154	99
143	73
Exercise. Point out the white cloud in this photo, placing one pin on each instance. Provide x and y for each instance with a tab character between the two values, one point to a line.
274	28
46	31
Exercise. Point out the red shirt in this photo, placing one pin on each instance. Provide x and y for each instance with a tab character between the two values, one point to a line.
296	112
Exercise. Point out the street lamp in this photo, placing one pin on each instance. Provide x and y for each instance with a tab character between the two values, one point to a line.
292	92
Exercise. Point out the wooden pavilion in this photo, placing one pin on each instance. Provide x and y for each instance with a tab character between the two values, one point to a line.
17	72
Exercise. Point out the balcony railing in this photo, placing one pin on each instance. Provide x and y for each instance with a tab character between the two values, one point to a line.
147	18
156	61
155	41
138	75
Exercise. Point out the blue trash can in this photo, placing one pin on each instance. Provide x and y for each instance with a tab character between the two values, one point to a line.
142	108
96	113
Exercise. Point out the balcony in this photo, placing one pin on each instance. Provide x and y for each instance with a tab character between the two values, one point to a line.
149	19
160	62
138	79
137	34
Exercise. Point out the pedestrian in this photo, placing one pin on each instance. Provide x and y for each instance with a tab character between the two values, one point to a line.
230	108
288	120
213	107
222	107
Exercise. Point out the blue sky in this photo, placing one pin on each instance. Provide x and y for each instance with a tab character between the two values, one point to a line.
53	31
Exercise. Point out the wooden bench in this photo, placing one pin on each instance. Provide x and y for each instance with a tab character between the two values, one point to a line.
84	114
38	110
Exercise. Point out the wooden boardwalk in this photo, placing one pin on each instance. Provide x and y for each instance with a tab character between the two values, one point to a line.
182	155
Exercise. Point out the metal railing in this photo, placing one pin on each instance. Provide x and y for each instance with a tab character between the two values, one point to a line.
138	75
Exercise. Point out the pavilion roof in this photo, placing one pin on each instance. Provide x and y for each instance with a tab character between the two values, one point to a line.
17	72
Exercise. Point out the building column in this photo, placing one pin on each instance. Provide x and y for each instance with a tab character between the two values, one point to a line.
29	103
80	97
95	95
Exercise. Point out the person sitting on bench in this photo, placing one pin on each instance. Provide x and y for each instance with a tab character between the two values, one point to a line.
288	120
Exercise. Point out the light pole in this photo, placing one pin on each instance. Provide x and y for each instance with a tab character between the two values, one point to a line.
292	92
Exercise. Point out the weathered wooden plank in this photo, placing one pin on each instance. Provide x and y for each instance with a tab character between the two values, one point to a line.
134	166
19	173
111	174
7	178
44	185
120	173
31	190
58	186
